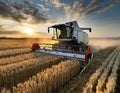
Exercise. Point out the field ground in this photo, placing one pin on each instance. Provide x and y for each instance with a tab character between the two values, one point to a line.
23	70
77	83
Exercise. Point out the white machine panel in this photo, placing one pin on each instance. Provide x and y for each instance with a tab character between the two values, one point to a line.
83	37
65	54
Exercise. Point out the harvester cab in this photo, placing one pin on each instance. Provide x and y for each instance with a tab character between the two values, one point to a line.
69	31
73	42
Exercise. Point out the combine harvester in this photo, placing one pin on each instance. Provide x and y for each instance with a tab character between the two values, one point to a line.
73	43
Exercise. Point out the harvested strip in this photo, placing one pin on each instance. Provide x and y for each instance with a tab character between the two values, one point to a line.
77	83
50	79
111	84
117	88
12	74
93	79
18	58
105	74
11	52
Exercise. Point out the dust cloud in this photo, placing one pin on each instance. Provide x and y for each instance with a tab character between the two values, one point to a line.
98	44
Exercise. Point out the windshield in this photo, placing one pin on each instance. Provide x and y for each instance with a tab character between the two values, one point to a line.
63	32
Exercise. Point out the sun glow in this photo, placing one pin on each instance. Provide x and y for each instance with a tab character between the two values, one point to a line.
28	31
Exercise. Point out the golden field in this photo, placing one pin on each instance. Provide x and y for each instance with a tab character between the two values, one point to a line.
24	71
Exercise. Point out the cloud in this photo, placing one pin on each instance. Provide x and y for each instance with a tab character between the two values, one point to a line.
109	5
94	3
24	11
74	11
37	12
57	3
10	27
9	32
93	6
80	9
71	12
41	7
68	11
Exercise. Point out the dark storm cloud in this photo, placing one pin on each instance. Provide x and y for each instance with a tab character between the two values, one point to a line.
22	11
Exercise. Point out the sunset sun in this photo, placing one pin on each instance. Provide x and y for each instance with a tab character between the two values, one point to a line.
28	31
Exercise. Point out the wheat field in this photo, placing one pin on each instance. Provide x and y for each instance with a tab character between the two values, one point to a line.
24	71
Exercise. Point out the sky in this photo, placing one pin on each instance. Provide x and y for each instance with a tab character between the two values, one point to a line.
31	18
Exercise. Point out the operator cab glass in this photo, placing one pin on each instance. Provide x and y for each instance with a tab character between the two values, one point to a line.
62	32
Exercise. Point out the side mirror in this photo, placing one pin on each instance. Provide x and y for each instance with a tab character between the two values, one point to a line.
48	29
90	30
